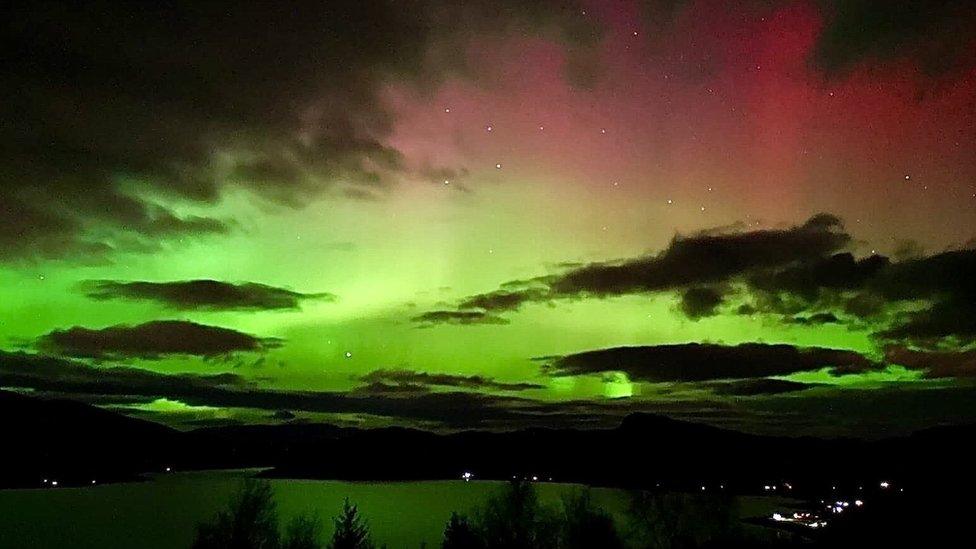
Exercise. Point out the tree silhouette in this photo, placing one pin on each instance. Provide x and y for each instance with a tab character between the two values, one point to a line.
249	522
514	519
460	534
586	526
351	530
677	520
303	532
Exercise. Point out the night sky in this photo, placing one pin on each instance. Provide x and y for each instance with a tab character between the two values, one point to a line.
493	214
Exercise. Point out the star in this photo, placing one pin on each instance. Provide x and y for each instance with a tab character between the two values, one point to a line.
498	166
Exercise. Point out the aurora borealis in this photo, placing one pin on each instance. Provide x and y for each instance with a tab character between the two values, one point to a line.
494	214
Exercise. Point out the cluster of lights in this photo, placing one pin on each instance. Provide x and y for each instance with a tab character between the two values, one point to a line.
840	506
884	484
813	520
806	519
533	478
54	483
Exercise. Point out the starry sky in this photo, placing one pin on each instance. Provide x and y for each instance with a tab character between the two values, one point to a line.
493	214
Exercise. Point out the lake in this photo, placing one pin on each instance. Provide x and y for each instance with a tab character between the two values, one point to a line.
163	512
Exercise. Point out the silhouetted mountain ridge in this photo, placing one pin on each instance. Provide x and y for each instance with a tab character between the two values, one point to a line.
75	441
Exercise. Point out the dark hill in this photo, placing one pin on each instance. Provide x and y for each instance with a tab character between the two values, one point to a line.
76	443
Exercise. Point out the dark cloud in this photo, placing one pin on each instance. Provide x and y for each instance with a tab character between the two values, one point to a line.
503	300
760	386
385	388
113	110
939	274
796	273
484	308
39	221
459	317
202	294
936	34
708	258
701	302
72	377
935	364
946	321
809	280
453	409
937	290
816	319
152	340
283	415
945	281
703	362
401	377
